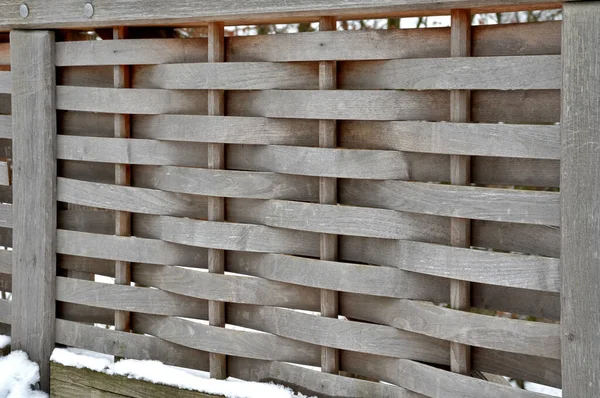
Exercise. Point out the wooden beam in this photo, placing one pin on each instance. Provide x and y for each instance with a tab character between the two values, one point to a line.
580	204
216	205
460	174
70	13
34	195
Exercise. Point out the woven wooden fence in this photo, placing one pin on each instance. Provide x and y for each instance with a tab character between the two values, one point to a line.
363	202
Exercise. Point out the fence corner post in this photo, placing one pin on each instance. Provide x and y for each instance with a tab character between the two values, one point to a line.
34	196
580	200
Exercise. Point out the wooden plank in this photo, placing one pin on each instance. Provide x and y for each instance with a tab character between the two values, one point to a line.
5	283
6	261
85	264
131	51
227	183
87	220
503	269
87	171
86	124
128	345
85	76
6	215
70	381
227	129
131	100
5	54
340	104
84	313
333	275
545	305
493	204
515	106
480	139
514	171
34	189
5	311
131	151
485	73
216	205
4	173
580	208
503	334
130	199
143	12
227	341
5	83
230	288
5	127
229	76
536	38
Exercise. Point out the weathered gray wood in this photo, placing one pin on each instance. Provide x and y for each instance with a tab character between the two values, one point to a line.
86	124
5	126
228	76
514	171
131	151
6	261
332	275
85	76
4	173
311	382
580	205
229	288
5	283
34	188
87	220
85	264
227	183
341	334
128	298
227	129
227	341
5	82
5	311
520	301
128	345
484	73
504	334
537	38
492	204
84	313
340	104
87	171
504	140
132	51
5	54
138	101
515	106
6	215
144	12
503	269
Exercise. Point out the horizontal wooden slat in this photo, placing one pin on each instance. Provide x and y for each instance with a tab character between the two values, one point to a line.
125	52
226	341
128	345
5	127
6	261
504	269
515	171
229	288
4	173
476	139
4	53
227	183
86	264
519	301
347	277
129	298
504	334
124	198
85	76
226	129
469	73
509	205
84	313
342	334
515	106
341	104
5	311
5	83
229	76
6	215
130	100
85	124
536	38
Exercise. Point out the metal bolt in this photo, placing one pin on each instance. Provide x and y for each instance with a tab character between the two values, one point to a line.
88	10
23	11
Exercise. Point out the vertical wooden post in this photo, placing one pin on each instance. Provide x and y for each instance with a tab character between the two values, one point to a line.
460	174
216	205
34	196
580	200
121	76
328	195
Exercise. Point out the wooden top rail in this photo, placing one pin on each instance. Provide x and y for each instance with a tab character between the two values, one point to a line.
76	13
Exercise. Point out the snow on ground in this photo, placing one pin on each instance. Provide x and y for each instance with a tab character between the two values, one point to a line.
159	373
17	375
4	341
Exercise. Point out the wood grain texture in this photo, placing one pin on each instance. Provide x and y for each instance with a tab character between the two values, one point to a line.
7	215
34	190
5	127
515	106
228	76
492	204
535	303
5	173
515	171
503	269
5	82
580	192
503	334
5	311
484	73
538	38
481	139
6	261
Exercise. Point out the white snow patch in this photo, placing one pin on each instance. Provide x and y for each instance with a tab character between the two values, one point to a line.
17	375
4	341
159	373
555	392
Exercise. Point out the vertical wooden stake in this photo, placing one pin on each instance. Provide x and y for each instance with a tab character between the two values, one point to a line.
216	205
328	195
580	200
460	174
34	196
122	177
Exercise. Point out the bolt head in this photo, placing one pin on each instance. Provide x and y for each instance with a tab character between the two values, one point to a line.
88	10
24	11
